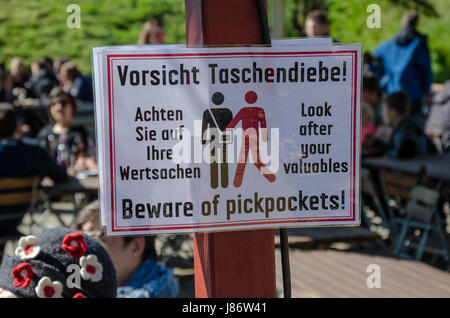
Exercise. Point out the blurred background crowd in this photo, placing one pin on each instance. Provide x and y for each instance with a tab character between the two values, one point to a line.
47	119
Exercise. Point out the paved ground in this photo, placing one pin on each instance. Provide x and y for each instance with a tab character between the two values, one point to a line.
331	273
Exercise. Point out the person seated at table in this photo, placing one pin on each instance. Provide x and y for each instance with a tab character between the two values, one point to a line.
42	80
19	73
139	273
75	83
57	68
20	160
70	144
371	95
408	139
437	125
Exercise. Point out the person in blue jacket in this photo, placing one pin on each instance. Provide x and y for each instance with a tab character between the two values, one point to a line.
139	274
406	63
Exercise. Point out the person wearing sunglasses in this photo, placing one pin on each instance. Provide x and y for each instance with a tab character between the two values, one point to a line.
70	144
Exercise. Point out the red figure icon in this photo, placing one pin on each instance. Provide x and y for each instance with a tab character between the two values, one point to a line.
252	118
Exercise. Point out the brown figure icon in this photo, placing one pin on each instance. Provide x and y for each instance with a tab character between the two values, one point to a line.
252	118
216	120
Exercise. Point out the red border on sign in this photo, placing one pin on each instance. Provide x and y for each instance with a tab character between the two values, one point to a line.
212	225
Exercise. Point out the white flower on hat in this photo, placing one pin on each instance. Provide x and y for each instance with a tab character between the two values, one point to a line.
48	289
91	269
28	247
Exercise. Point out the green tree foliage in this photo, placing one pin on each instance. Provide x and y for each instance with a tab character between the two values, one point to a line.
32	29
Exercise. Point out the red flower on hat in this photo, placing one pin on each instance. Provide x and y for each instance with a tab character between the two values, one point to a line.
74	244
22	275
79	295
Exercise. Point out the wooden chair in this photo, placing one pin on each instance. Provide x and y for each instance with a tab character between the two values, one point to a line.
396	192
17	197
415	215
422	224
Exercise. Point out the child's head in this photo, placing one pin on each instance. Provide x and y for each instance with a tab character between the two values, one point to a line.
58	263
316	24
62	107
126	252
371	93
396	107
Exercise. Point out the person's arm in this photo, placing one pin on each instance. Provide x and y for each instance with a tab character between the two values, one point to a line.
234	121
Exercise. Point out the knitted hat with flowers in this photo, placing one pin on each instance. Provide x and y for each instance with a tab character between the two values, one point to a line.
59	263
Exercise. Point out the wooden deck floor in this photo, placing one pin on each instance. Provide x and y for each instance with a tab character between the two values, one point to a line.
330	273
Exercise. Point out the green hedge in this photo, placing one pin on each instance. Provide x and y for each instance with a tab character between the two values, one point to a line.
32	29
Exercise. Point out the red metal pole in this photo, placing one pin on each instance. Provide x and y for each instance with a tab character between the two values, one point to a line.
230	264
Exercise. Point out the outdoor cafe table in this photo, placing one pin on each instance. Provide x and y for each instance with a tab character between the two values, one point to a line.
53	191
437	167
72	185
